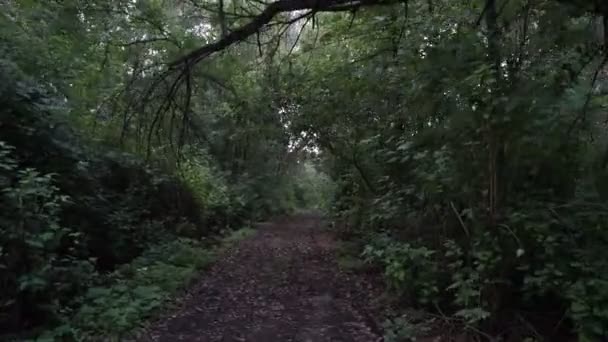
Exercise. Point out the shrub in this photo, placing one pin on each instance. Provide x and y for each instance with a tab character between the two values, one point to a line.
539	258
412	272
121	301
39	269
72	211
209	189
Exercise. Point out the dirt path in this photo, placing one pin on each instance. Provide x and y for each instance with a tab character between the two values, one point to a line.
282	284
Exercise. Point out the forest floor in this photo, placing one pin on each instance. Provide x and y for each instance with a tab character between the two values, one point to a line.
280	284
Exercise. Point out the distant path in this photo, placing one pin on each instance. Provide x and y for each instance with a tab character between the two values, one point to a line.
282	284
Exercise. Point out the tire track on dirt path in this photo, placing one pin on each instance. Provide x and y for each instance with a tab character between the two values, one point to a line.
281	284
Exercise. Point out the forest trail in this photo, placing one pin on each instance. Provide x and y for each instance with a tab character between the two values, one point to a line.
281	284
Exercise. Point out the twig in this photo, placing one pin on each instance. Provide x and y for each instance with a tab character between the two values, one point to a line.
529	326
583	113
295	43
257	37
144	41
352	19
483	12
464	227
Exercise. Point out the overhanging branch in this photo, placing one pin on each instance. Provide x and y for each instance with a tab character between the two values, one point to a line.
265	17
179	72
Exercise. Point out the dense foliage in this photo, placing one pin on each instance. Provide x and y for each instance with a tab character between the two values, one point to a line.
103	216
468	139
463	140
73	213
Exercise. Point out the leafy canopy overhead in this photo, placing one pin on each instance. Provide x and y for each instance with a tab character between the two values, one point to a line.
467	135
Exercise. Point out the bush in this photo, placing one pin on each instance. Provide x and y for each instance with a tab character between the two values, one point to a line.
39	268
73	212
121	301
210	192
517	267
412	272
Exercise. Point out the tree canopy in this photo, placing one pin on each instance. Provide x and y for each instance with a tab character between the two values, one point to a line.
466	136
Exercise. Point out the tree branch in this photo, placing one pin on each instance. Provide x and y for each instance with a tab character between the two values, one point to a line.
222	18
145	41
264	18
581	117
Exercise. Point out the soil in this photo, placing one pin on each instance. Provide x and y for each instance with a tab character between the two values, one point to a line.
281	284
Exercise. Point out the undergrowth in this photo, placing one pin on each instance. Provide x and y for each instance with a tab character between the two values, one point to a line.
121	302
348	256
535	262
231	237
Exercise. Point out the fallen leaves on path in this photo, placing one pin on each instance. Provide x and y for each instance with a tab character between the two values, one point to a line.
281	284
